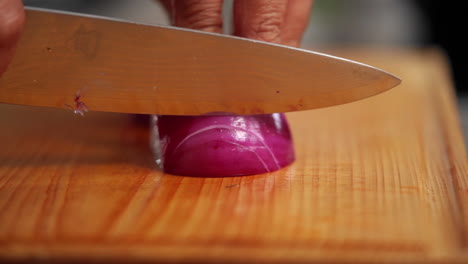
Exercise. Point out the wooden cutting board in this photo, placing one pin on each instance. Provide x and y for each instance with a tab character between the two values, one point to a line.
379	180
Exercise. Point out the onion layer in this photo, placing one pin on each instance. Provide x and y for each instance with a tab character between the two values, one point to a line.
223	145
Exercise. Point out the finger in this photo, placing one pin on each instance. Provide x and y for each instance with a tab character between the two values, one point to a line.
277	21
196	14
259	19
296	21
11	23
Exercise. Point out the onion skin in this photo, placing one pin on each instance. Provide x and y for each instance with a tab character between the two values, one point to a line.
224	145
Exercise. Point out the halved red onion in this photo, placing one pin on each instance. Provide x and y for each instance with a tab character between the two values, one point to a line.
222	145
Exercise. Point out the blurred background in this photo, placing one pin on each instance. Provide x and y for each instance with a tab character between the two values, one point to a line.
409	23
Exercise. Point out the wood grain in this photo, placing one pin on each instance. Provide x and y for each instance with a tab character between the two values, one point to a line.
380	180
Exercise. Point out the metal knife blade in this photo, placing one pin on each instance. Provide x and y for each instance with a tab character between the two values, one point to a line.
67	60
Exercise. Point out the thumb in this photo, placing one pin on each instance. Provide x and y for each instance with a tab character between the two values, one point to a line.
11	23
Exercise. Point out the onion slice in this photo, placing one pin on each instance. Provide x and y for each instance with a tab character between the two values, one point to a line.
222	145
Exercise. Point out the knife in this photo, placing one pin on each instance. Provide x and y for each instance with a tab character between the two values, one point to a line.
68	60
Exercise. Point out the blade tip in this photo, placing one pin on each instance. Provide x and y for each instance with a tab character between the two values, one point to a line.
392	80
396	80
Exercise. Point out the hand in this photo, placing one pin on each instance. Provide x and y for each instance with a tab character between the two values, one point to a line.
11	23
277	21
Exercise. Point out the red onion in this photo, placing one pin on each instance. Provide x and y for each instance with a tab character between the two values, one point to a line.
223	145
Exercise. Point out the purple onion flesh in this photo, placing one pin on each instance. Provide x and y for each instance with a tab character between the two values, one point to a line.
222	145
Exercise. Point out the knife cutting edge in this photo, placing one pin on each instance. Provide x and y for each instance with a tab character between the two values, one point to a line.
67	60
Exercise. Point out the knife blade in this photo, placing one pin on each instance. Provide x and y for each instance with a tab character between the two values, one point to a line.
68	60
